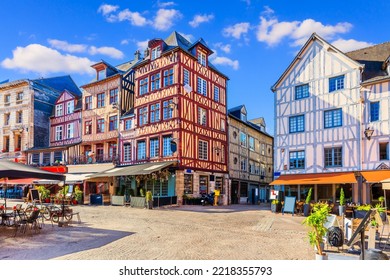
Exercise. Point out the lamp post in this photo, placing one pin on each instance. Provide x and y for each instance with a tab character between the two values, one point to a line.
61	222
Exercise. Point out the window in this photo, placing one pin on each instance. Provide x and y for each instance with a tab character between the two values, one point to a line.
141	150
168	77
223	127
374	111
70	130
167	146
332	118
297	124
336	83
58	156
216	93
128	124
59	110
101	74
88	103
202	58
100	100
243	164
186	77
19	117
203	150
167	109
19	96
243	116
143	86
100	126
154	147
127	152
58	133
202	86
188	184
112	150
383	151
202	116
155	112
263	149
7	118
70	107
251	167
88	127
142	116
156	52
46	159
301	91
7	99
35	158
155	81
114	96
251	143
297	160
113	125
333	157
243	141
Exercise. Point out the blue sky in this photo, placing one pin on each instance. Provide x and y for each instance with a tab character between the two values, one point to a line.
253	40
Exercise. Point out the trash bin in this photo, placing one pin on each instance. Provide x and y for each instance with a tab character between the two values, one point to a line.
96	199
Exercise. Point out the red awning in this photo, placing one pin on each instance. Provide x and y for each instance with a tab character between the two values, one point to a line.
55	169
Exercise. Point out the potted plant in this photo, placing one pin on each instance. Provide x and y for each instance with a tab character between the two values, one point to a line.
306	206
381	200
274	205
78	195
316	221
342	203
361	211
44	193
381	210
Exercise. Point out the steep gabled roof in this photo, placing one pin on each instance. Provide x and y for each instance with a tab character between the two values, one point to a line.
373	58
60	84
312	38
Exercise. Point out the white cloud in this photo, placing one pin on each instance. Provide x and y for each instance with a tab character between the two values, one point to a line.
38	58
109	51
236	30
106	9
124	42
225	48
134	18
165	4
272	31
164	19
221	60
198	19
350	45
65	46
142	45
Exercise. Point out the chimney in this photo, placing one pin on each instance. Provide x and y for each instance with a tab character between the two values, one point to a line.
137	55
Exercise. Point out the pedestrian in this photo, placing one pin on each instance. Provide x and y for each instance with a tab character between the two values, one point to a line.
149	199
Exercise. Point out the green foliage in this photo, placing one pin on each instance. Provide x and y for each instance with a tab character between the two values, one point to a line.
78	194
316	221
142	192
342	197
45	193
308	197
381	199
275	201
379	208
363	207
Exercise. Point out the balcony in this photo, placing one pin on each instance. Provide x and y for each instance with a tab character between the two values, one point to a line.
83	159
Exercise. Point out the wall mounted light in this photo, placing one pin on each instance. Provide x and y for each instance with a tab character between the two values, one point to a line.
368	133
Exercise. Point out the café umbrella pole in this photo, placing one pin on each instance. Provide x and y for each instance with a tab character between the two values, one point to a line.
61	222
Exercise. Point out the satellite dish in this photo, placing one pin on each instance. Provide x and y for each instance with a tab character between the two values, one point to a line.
187	88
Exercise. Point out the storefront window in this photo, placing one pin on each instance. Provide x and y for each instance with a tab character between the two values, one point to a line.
219	184
304	189
243	189
188	184
203	184
291	190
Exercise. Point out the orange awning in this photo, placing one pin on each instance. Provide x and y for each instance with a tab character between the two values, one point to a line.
375	176
316	178
21	181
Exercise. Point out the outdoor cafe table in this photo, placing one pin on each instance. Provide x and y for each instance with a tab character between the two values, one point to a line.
7	216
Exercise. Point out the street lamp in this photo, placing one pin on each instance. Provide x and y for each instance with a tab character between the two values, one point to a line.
368	133
61	184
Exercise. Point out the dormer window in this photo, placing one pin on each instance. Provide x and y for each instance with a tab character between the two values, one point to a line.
101	74
156	52
243	116
59	110
202	58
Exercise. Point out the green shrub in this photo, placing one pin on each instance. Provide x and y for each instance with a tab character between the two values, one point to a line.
308	197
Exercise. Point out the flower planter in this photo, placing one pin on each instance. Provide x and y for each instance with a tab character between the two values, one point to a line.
342	210
360	214
306	209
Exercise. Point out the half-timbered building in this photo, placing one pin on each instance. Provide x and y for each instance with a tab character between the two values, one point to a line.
250	157
104	101
323	105
179	116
